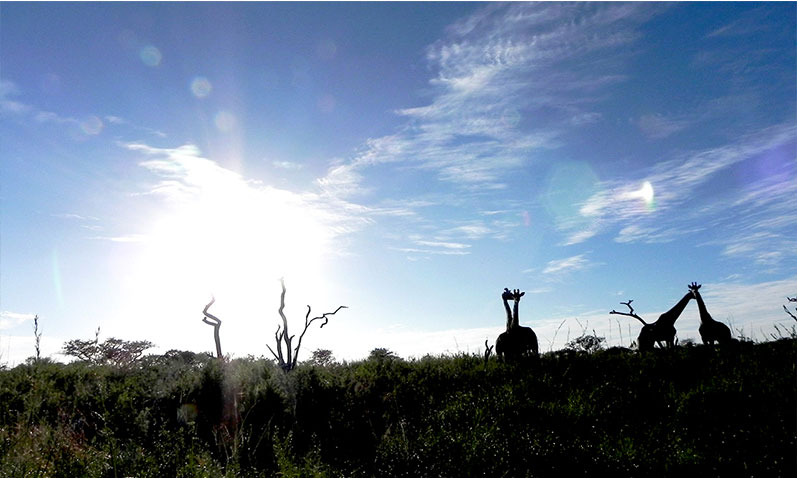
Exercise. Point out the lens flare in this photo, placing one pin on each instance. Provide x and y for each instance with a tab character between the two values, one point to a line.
150	55
201	87
225	121
92	125
646	194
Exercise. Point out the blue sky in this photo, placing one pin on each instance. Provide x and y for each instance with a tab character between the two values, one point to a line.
408	160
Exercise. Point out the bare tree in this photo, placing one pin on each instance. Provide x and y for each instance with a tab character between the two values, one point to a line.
211	319
646	338
631	312
287	360
790	299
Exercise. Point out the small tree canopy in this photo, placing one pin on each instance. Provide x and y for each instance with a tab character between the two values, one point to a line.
112	351
322	358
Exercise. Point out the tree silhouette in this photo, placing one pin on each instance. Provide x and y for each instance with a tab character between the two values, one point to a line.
287	360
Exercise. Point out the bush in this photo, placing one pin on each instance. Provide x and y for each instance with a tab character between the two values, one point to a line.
710	410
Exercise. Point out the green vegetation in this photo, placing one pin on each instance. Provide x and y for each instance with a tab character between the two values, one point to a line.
693	408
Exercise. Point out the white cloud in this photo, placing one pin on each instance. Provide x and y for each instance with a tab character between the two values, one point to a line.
768	206
566	265
508	82
9	320
657	126
287	165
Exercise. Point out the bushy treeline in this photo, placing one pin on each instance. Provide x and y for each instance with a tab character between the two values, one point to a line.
720	412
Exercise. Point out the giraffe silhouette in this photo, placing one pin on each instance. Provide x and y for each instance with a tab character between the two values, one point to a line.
662	331
710	330
516	341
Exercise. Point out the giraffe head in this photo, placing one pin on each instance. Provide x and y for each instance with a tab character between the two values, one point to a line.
512	295
693	287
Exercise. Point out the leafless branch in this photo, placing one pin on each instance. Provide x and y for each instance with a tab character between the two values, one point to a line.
307	323
631	312
787	311
289	359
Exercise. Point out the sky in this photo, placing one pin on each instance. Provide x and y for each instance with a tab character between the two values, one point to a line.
406	160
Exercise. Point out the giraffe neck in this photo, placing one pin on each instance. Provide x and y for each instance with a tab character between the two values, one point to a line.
515	320
508	315
672	315
704	315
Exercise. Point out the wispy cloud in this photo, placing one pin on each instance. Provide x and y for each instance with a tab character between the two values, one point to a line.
9	320
89	125
493	71
749	23
657	126
185	176
289	165
508	82
128	238
569	264
676	206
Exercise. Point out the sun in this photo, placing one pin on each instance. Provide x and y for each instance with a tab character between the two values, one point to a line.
231	239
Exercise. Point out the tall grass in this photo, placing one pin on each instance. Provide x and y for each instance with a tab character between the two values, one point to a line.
692	408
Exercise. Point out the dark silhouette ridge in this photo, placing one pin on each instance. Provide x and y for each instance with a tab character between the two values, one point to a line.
662	331
710	330
516	341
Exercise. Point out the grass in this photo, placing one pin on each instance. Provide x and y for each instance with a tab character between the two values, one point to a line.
693	408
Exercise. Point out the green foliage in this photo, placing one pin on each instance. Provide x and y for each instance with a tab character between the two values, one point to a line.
715	411
586	343
112	351
381	354
322	358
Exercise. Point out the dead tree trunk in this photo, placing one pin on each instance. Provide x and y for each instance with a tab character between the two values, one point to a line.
211	319
288	360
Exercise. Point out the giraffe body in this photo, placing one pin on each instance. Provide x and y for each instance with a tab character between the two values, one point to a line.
663	330
711	331
517	341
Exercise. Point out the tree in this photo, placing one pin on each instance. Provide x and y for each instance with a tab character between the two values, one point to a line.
587	343
211	319
112	351
381	354
287	360
322	358
38	335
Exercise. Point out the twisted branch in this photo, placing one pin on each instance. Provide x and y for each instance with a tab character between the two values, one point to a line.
631	312
211	319
307	323
289	359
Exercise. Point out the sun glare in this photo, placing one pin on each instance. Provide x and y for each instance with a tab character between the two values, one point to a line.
231	239
645	193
